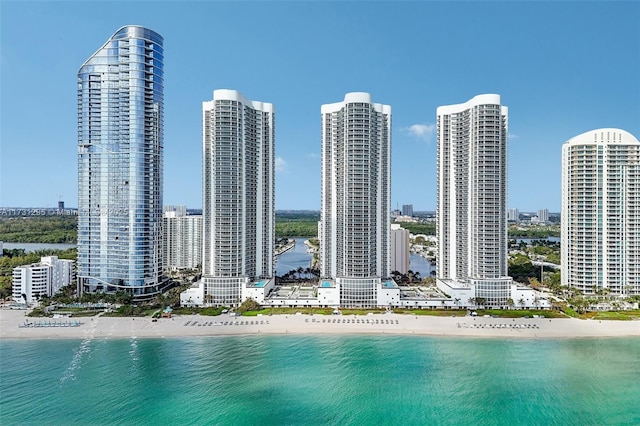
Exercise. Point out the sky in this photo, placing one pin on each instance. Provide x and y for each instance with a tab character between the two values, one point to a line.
562	68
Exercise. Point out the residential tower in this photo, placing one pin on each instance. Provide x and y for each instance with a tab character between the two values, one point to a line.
120	149
601	212
355	197
471	223
238	196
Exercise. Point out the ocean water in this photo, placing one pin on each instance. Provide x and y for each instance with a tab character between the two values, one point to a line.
318	380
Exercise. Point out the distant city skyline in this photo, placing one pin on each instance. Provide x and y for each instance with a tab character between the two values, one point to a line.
559	79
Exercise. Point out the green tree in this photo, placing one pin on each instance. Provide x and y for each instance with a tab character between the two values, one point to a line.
249	305
39	229
534	283
521	268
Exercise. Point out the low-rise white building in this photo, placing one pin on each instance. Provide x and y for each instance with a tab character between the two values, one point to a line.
258	290
46	278
193	296
527	298
448	294
523	297
328	293
388	294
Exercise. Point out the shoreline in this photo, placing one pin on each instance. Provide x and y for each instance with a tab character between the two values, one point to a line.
388	324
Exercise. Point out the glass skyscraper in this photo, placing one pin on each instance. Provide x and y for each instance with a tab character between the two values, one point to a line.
120	144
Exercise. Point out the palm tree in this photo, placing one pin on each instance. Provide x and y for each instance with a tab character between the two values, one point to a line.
208	298
556	306
162	300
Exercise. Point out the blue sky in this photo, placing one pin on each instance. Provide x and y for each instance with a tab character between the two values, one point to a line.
562	68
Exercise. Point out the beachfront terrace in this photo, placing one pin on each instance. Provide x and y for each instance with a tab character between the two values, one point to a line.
326	293
300	295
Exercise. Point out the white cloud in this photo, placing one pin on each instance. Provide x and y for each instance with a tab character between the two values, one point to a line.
421	131
313	155
281	165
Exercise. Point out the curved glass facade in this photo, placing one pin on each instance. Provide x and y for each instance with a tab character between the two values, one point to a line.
120	144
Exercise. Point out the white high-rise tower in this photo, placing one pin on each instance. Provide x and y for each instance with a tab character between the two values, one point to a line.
601	212
355	205
238	195
472	194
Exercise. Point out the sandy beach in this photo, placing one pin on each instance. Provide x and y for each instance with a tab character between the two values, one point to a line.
12	326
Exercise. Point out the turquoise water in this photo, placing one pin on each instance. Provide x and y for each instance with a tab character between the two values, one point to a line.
315	380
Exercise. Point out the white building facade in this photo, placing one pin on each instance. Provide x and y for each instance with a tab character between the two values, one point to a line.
238	196
601	212
543	215
399	249
182	239
471	222
45	278
355	197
